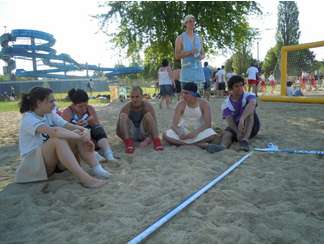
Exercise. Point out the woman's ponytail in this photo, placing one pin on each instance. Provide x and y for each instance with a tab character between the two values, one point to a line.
24	104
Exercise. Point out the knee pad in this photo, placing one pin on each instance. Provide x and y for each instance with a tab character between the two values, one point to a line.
97	132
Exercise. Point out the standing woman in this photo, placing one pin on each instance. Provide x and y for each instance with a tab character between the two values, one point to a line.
189	49
166	83
83	114
47	143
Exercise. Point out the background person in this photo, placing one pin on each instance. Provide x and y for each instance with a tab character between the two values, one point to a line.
253	74
85	115
272	83
208	77
220	77
293	91
166	83
48	143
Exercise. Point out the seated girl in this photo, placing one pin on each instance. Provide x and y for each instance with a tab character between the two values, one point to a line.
83	114
49	144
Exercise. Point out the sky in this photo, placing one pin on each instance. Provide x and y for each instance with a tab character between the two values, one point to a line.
78	34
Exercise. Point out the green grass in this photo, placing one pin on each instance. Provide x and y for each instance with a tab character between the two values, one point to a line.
63	103
6	106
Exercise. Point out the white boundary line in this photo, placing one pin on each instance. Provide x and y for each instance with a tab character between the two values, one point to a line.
165	218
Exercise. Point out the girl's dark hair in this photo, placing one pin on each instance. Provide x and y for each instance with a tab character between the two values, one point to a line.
78	96
29	101
165	62
233	80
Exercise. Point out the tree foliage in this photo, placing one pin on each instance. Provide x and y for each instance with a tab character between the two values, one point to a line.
288	24
270	61
242	58
228	65
155	25
288	33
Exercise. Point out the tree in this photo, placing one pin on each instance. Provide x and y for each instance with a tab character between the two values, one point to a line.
270	61
242	58
288	34
229	64
288	24
154	26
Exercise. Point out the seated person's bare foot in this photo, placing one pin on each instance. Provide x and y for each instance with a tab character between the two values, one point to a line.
145	142
113	163
93	183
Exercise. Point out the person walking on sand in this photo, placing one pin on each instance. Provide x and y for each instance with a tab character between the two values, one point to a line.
189	49
83	114
49	144
191	124
137	123
239	112
166	83
253	77
207	84
272	83
220	77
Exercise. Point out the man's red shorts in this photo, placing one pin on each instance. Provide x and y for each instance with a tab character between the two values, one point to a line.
252	82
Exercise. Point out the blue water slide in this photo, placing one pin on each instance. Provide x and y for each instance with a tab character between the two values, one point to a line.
40	48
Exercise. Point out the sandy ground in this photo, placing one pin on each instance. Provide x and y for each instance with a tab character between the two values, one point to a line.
271	198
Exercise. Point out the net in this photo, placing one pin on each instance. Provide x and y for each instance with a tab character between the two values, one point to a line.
300	70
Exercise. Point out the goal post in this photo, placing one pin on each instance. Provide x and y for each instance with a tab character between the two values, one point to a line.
284	76
284	60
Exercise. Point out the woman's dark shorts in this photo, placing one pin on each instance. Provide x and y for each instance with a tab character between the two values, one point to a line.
178	86
221	86
166	90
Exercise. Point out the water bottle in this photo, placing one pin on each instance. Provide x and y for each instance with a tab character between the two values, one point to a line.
196	53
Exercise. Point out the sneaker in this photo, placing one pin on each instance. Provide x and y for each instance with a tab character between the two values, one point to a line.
100	172
244	145
212	148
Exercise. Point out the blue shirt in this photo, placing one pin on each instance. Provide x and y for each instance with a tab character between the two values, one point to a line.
207	73
191	69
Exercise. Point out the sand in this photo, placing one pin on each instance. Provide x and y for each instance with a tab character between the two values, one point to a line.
270	198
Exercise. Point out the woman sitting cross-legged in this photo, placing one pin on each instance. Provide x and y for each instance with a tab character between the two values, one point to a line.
83	114
49	144
191	124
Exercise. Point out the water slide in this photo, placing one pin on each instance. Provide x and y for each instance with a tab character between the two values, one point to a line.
37	46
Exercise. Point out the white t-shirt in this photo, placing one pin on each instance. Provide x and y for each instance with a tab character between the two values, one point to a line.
164	78
220	76
29	139
271	77
229	75
290	91
252	73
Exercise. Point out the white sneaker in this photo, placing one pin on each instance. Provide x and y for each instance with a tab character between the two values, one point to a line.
99	171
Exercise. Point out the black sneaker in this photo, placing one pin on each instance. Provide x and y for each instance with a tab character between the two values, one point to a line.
244	145
212	148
